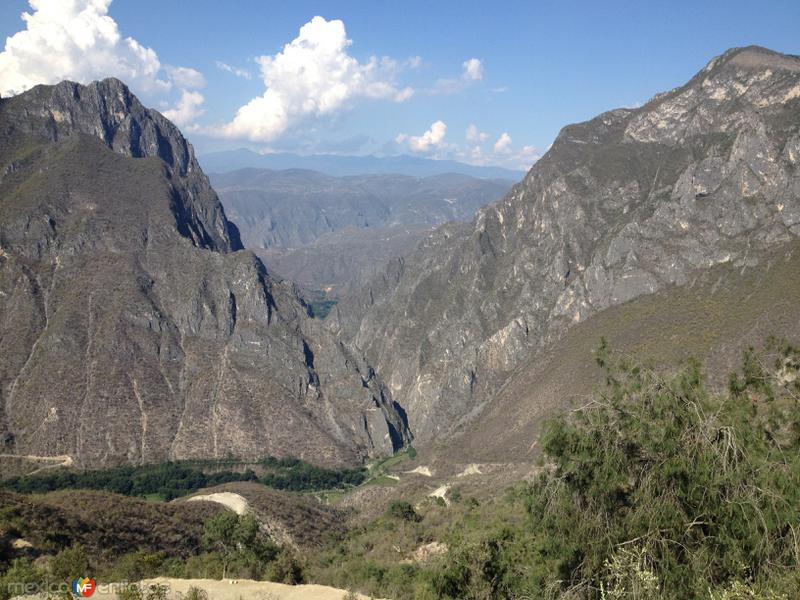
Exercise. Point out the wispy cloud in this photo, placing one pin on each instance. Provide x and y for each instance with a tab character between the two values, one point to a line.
243	73
471	73
186	77
474	136
413	62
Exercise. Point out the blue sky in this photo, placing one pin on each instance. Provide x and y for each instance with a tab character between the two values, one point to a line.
540	66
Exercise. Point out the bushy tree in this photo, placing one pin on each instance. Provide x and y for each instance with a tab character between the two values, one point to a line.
238	540
400	509
20	574
70	563
658	488
286	568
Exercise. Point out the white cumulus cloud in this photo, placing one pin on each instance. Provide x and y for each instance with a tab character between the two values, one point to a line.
187	110
503	144
313	76
430	140
477	149
77	40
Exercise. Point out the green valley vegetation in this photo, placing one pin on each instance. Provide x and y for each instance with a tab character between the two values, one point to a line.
175	479
658	488
296	475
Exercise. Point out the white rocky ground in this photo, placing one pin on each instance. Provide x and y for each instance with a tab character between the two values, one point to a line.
230	589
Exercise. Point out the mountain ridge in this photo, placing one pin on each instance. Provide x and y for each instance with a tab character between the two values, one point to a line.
344	165
620	206
134	328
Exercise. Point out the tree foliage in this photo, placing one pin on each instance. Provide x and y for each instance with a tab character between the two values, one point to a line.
239	541
658	488
175	479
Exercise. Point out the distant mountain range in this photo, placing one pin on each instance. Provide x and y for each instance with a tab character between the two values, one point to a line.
325	232
339	166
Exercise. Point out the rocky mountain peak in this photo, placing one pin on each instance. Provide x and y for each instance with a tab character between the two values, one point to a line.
754	57
109	111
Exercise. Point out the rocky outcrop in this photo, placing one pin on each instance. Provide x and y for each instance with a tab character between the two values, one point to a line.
629	203
133	327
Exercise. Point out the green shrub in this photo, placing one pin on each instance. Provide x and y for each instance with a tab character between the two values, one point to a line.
400	509
70	563
195	593
659	488
207	565
139	565
20	574
239	542
286	568
707	485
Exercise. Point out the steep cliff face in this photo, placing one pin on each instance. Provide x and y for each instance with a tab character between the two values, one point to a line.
132	328
624	205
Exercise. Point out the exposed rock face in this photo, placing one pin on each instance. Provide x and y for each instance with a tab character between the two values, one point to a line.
132	329
111	113
623	205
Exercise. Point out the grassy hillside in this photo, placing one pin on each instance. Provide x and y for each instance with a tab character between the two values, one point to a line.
713	318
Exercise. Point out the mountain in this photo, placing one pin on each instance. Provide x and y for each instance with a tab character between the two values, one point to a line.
133	326
714	317
325	232
631	203
340	166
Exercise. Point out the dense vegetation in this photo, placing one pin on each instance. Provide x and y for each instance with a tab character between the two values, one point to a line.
174	479
232	545
166	480
656	489
296	475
